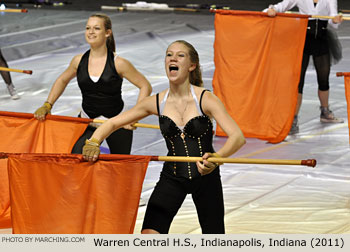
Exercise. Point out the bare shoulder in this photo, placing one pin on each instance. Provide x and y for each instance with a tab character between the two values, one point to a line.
149	103
120	61
208	95
210	103
77	57
162	94
123	66
76	60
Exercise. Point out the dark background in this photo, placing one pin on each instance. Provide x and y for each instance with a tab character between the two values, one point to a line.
254	5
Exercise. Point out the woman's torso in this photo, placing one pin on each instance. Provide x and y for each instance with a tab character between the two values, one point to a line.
102	97
194	139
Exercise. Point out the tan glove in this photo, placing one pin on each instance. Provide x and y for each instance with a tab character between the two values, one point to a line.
91	149
41	112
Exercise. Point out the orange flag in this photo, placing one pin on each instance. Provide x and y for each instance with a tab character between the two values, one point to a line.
61	194
347	95
257	70
21	133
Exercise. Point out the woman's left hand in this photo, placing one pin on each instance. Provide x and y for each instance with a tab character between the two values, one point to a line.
206	167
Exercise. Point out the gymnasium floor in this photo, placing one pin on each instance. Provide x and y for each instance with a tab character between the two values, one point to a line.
258	198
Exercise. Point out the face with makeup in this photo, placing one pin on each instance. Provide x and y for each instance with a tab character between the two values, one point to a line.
95	32
178	64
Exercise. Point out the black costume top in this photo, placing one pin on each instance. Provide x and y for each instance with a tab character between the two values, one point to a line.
194	140
103	97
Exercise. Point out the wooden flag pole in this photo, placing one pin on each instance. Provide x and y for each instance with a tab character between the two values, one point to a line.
140	125
328	17
15	70
308	162
15	10
135	8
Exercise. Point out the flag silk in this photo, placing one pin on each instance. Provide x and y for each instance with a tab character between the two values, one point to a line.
347	95
62	194
22	133
257	70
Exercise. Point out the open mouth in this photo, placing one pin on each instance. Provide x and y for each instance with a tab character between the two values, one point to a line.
173	68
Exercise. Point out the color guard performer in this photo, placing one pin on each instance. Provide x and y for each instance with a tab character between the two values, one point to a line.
100	72
321	45
185	112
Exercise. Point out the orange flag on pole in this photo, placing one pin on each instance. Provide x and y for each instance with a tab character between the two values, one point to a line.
347	93
21	133
257	70
61	194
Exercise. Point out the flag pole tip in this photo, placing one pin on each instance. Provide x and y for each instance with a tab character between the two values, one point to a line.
339	74
309	162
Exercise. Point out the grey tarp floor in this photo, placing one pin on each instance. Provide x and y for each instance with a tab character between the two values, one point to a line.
258	198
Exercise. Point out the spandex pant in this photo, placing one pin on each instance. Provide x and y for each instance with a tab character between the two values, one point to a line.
322	66
318	48
169	194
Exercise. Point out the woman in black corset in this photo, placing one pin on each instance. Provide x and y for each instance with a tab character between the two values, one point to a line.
100	72
185	113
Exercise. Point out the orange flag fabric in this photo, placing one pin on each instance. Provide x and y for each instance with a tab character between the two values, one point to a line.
257	70
21	133
347	95
61	194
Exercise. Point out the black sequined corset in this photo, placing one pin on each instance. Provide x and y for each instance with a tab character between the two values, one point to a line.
195	140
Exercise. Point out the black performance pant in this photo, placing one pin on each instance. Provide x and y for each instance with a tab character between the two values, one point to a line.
318	48
322	66
169	194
